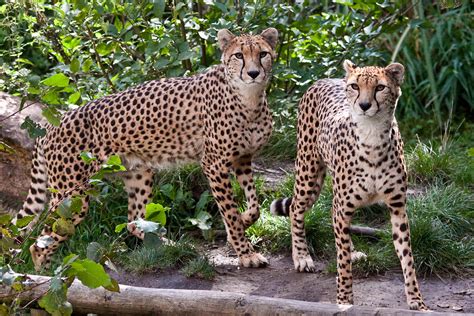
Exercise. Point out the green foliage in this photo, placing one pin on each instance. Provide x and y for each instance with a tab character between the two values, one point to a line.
436	50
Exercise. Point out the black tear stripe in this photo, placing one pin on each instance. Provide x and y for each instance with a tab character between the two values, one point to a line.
376	101
243	62
358	95
260	60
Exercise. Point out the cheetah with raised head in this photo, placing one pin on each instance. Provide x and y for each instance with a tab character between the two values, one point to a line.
348	127
220	118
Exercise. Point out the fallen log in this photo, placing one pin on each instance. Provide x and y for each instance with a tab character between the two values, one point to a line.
366	231
148	301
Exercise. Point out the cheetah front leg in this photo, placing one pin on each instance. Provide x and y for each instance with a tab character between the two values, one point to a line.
342	216
217	173
310	173
243	173
396	202
138	185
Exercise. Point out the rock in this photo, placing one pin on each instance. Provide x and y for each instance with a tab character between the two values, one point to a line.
457	308
15	166
443	305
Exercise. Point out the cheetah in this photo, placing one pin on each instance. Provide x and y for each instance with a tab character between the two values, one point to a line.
219	118
347	126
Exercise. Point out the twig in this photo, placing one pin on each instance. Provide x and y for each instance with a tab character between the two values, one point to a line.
18	111
28	289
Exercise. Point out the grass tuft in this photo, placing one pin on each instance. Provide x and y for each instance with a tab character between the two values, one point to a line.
199	268
180	254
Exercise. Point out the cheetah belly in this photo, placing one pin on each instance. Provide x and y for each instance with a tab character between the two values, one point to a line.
165	152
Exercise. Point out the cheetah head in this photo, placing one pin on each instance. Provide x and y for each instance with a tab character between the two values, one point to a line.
373	91
248	58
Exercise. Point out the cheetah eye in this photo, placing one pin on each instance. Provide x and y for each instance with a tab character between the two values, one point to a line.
239	55
379	87
263	54
354	86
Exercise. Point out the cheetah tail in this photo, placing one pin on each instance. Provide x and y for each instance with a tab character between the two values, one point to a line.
281	207
36	199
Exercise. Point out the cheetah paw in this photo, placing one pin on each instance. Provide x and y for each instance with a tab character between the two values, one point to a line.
418	304
304	264
357	255
253	260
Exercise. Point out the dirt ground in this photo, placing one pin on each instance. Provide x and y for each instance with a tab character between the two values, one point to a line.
280	280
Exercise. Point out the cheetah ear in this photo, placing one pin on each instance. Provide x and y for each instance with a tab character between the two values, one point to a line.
271	36
349	66
395	71
224	37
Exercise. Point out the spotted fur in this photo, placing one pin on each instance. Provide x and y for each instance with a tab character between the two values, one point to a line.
219	118
348	127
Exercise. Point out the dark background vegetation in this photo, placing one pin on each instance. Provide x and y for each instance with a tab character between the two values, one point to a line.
66	53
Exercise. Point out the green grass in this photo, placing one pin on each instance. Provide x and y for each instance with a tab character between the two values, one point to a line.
442	227
181	254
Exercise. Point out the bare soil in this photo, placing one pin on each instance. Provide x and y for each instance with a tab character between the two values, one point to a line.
280	280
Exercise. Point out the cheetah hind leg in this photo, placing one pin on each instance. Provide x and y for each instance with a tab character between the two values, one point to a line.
42	251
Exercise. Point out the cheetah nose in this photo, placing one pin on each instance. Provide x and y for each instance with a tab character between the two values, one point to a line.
253	73
364	106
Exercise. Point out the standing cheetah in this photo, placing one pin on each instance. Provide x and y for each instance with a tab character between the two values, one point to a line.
220	118
348	127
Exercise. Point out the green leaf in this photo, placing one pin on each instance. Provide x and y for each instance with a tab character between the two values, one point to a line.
75	65
104	49
57	80
86	65
76	204
202	220
91	274
186	55
146	226
94	251
64	227
158	8
24	60
25	220
156	213
118	24
114	160
152	241
203	201
87	157
52	115
69	259
120	227
5	219
34	129
51	97
113	287
64	209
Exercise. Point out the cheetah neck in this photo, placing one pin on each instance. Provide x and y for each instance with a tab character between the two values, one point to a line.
372	131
